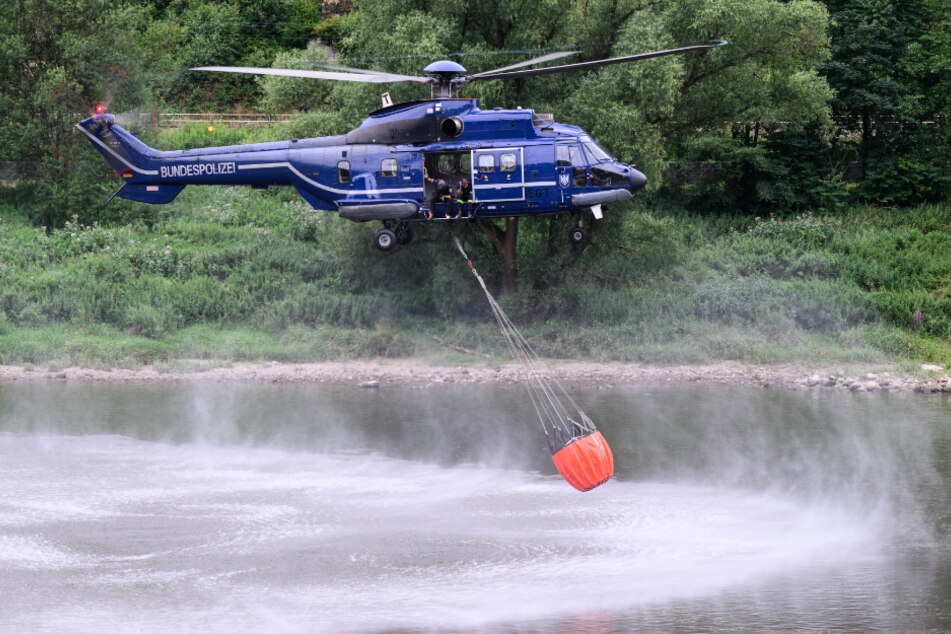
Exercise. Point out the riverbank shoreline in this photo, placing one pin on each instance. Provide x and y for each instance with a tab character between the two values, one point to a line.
417	373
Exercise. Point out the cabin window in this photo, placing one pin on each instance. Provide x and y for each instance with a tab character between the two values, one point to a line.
507	162
388	167
486	163
445	164
561	156
343	172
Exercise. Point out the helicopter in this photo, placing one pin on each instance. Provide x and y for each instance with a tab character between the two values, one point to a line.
405	162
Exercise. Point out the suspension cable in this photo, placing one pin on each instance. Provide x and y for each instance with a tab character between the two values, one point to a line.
547	394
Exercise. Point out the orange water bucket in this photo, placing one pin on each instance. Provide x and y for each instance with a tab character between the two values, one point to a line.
585	462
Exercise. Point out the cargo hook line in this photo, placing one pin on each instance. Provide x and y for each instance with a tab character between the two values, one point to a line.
547	399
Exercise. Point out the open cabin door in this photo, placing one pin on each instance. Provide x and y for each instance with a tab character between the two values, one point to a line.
448	166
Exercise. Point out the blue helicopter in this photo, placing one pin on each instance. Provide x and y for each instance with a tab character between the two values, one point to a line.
406	163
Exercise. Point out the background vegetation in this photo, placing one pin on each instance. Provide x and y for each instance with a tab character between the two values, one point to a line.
799	204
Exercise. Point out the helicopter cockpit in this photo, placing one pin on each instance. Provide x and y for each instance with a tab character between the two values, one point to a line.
604	170
590	164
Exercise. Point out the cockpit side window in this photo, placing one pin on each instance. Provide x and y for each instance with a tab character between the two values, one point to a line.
577	158
561	156
579	175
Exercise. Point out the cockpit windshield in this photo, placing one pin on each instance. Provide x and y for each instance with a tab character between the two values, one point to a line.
596	152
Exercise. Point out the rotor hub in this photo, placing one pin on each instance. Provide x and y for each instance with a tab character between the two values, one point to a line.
444	72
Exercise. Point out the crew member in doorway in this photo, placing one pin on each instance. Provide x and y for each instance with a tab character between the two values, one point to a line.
463	196
441	193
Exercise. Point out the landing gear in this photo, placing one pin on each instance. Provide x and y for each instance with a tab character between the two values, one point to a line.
578	234
392	234
404	233
385	240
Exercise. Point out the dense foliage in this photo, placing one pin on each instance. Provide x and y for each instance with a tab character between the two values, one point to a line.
235	274
827	120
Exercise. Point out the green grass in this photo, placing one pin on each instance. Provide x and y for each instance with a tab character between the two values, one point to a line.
227	274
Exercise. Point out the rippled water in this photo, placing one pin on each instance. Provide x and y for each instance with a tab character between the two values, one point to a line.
264	508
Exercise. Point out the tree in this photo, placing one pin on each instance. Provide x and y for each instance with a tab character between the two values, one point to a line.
767	73
890	67
58	58
299	94
926	65
868	40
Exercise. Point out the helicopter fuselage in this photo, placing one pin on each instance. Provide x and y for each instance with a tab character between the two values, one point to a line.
517	162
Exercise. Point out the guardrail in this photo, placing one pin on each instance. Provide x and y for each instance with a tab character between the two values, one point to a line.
173	120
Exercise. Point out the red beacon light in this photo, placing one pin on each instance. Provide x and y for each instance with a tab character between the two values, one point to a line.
100	108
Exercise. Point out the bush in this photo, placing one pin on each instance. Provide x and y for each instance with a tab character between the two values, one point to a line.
804	231
908	163
228	273
147	320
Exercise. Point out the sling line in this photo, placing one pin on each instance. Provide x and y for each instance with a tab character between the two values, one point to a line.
552	403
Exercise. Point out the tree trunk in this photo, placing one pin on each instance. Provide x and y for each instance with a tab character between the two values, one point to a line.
866	140
504	241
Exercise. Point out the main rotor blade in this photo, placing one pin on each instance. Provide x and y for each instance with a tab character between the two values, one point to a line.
378	73
376	78
536	60
596	63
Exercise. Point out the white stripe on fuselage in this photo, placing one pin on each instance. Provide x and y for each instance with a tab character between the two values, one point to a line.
507	185
252	166
255	166
406	190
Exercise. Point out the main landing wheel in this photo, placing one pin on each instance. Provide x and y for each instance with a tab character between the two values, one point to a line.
385	240
404	233
577	235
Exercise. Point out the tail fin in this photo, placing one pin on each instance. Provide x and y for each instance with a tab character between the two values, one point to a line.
123	151
130	157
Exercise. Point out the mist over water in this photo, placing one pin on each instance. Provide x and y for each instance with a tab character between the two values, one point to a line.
316	508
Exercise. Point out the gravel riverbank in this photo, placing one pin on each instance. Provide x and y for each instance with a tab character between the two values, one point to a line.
418	373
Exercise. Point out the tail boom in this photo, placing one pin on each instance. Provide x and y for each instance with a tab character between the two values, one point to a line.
154	176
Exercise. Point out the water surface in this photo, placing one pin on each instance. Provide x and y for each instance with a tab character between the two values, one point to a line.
315	508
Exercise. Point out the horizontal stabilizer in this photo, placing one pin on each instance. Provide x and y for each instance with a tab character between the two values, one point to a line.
156	194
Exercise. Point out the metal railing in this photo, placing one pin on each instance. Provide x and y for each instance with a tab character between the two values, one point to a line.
173	120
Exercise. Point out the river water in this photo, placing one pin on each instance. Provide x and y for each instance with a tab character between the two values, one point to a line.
250	508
